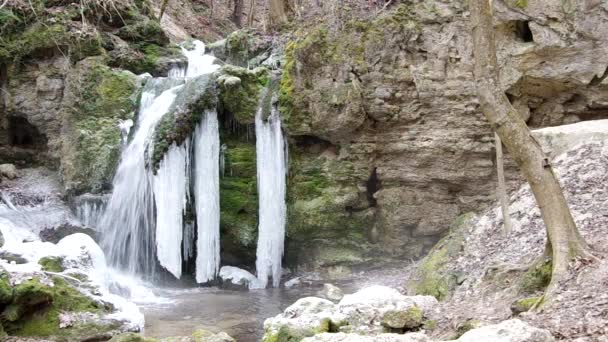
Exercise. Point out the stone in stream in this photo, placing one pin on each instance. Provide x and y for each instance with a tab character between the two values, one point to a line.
238	279
8	171
331	292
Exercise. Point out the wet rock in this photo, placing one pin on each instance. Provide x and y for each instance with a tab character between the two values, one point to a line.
512	330
54	235
332	292
203	335
404	319
8	171
295	282
12	258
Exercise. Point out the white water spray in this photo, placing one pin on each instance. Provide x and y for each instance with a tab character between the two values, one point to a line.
271	172
206	196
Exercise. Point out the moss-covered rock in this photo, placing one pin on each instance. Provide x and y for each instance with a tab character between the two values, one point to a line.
6	290
288	333
431	277
524	304
51	264
98	97
241	90
36	306
238	198
537	278
409	319
197	97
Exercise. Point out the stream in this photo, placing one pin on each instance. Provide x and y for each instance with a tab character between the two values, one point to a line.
241	314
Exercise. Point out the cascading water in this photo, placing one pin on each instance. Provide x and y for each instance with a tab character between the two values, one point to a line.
271	172
128	223
143	220
206	194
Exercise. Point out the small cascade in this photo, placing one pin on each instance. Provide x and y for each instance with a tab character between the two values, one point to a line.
89	209
206	196
271	174
171	192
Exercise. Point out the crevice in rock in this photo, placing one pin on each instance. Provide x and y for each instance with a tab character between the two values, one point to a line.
597	80
522	31
372	186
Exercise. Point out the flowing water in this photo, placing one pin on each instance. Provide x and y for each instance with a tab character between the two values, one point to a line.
271	172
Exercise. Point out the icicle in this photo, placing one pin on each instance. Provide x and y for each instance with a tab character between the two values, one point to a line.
171	197
206	196
271	169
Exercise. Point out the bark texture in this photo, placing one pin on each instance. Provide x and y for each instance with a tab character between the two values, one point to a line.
276	13
564	238
502	189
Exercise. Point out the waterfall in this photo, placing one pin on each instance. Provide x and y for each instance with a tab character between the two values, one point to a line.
171	186
143	221
128	223
271	172
206	196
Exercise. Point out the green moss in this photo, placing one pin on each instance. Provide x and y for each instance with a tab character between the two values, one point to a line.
6	290
51	264
145	30
523	4
38	306
194	100
431	278
240	91
287	333
409	319
466	326
237	47
524	304
102	98
537	278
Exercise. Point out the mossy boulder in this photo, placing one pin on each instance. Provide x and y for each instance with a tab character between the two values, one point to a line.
6	290
52	264
97	99
37	305
241	91
196	98
431	276
409	319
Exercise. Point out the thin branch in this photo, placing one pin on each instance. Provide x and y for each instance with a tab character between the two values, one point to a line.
4	4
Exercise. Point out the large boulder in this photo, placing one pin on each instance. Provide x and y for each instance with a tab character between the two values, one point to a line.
370	311
512	330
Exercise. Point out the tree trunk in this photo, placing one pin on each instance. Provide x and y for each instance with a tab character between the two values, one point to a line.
563	236
237	13
276	13
163	7
250	15
502	188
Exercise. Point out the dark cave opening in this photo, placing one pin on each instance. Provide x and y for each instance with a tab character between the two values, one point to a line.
523	32
21	133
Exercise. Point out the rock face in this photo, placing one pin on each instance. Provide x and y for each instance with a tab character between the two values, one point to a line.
388	139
